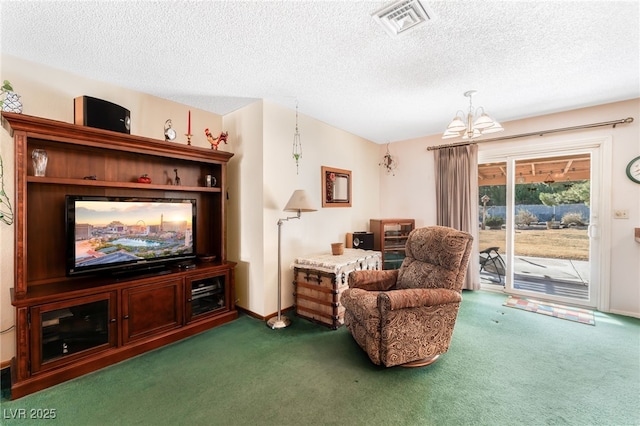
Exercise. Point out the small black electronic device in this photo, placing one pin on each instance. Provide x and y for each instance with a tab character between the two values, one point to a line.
360	240
101	114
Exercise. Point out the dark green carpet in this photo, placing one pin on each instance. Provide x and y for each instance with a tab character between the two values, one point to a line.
504	367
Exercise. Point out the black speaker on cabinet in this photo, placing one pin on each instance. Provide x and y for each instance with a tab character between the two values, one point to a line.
360	240
94	112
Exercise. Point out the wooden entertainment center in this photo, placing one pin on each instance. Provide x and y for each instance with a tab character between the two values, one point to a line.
69	326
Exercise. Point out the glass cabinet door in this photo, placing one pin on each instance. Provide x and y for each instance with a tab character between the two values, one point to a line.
395	239
206	294
64	331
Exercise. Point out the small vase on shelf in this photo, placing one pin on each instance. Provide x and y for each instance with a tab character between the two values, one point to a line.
40	159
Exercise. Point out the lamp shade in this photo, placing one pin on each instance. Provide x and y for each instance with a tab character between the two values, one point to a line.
299	202
448	134
496	127
456	124
483	122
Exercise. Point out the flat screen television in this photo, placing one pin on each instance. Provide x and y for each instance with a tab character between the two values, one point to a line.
127	234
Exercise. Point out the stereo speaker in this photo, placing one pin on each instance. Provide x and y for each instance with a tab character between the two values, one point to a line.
360	240
101	114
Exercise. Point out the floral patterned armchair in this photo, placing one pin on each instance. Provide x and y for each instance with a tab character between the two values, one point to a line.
406	316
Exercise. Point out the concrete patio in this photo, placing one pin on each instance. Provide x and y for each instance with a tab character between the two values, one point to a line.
560	277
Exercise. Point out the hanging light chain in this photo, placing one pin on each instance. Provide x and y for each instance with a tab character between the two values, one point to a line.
297	145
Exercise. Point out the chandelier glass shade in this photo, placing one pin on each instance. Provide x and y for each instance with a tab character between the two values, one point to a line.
477	123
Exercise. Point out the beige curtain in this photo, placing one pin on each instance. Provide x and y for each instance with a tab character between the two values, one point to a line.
457	198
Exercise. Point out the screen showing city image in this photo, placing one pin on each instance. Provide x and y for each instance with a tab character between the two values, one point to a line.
111	233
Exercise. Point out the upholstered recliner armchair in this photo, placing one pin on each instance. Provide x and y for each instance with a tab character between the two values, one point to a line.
406	316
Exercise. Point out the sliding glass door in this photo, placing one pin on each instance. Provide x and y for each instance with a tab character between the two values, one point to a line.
540	233
551	214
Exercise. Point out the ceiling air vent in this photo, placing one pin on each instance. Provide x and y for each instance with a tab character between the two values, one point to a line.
402	16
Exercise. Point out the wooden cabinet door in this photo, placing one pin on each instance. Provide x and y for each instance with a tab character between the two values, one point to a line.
63	332
151	309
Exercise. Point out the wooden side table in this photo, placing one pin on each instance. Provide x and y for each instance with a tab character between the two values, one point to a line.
320	279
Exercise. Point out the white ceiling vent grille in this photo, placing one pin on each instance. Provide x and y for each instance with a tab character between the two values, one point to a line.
402	16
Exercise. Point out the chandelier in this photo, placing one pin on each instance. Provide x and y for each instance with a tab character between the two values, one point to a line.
478	123
297	145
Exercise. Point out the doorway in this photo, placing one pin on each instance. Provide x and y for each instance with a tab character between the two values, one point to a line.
539	222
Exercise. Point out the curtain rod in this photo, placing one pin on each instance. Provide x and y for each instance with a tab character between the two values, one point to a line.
524	135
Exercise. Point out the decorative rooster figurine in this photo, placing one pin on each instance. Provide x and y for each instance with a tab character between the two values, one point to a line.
217	140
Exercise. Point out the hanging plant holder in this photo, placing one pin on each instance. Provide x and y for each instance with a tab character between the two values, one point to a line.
568	183
549	179
389	162
297	145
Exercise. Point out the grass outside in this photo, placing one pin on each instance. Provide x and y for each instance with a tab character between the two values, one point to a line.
552	243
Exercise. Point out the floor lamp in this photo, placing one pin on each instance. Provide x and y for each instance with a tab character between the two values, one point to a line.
299	202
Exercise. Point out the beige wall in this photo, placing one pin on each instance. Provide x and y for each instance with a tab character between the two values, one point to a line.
415	174
244	205
267	177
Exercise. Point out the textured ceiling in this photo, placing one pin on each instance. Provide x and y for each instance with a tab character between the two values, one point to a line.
524	58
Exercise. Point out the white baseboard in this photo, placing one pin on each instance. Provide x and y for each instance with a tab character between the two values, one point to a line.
626	314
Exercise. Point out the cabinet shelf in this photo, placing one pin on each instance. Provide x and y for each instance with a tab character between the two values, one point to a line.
109	184
52	132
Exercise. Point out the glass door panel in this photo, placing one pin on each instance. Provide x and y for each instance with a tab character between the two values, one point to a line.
206	294
551	199
492	242
68	330
538	225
